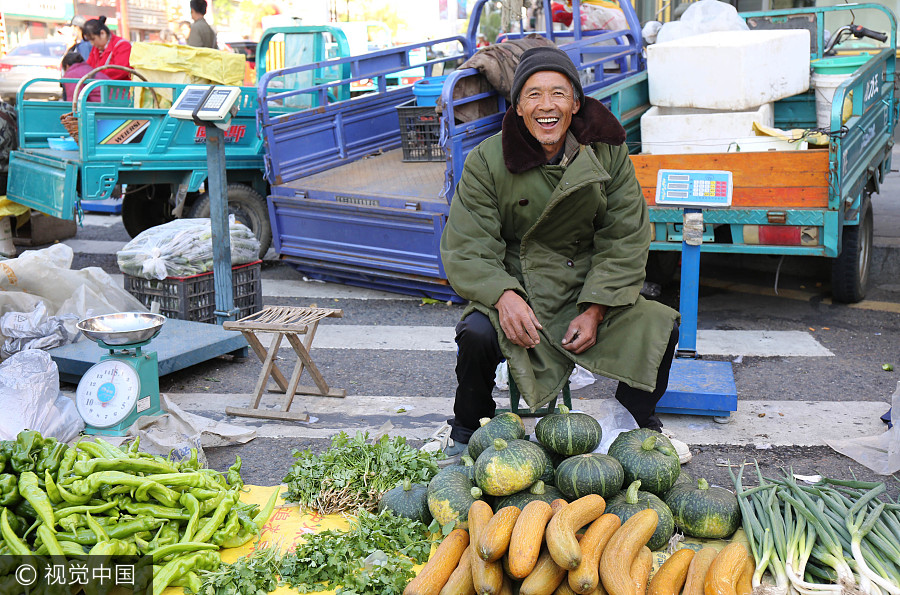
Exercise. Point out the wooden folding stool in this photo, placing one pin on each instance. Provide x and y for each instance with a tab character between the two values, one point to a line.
284	321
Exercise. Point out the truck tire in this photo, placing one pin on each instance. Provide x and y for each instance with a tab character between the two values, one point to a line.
850	270
145	207
248	207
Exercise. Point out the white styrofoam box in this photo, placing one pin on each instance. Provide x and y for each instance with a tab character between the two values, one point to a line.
729	70
675	130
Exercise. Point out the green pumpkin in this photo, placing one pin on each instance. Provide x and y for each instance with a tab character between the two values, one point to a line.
648	456
591	473
538	491
408	500
704	511
466	466
568	433
508	426
450	494
510	466
633	500
684	481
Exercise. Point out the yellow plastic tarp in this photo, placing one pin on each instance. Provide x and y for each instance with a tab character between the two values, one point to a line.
9	208
289	523
285	528
171	63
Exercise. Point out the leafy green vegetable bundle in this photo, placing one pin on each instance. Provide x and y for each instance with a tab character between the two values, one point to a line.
353	473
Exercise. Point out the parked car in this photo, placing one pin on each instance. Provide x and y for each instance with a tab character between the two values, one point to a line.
30	60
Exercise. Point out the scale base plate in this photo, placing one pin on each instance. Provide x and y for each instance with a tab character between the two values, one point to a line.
700	387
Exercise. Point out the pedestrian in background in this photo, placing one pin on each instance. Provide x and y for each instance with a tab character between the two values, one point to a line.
108	49
81	45
74	67
202	35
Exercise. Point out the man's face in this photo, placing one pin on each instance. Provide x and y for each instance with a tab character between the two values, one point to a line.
546	104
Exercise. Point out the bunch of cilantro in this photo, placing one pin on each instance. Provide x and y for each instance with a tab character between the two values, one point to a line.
354	472
375	556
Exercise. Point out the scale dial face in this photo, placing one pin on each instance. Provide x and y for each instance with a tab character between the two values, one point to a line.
107	393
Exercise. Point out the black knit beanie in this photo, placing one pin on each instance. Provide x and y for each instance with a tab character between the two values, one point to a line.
545	58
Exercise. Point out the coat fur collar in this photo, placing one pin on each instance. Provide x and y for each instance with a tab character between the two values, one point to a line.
593	123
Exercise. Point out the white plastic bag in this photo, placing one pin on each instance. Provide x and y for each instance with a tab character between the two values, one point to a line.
879	453
596	18
33	330
30	398
579	378
183	247
46	276
703	16
614	419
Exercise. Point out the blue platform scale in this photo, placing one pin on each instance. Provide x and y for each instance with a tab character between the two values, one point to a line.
696	387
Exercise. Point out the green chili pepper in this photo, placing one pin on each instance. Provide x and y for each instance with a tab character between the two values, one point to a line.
134	446
181	565
70	498
237	540
207	506
233	477
46	536
229	529
94	526
189	581
70	549
94	482
52	490
192	505
115	531
65	466
218	517
92	449
157	511
15	545
5	453
50	457
26	442
190	464
29	489
9	491
180	548
113	547
112	451
263	516
94	509
201	494
85	468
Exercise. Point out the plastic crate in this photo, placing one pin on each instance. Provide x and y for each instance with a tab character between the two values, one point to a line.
420	132
194	297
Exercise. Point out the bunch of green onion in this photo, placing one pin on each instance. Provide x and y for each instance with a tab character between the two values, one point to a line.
821	538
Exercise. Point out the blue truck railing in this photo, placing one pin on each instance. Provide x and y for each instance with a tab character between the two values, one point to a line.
343	204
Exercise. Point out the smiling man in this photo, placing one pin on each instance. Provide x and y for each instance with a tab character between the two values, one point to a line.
548	237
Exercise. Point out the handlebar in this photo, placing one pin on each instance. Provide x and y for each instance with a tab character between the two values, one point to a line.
859	32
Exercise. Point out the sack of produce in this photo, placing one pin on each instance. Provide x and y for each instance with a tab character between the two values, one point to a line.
183	247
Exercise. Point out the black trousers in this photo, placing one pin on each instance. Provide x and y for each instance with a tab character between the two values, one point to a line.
478	354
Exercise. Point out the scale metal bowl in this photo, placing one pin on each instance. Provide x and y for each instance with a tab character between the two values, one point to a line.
124	328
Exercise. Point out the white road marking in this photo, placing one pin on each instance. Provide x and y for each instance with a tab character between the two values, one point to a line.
433	338
760	423
317	290
760	343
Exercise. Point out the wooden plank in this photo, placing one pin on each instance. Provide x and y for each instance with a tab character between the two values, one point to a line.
267	414
764	179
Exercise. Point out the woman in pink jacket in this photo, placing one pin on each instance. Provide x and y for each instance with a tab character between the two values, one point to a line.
108	49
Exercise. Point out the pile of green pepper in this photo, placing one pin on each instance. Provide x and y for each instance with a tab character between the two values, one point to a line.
96	498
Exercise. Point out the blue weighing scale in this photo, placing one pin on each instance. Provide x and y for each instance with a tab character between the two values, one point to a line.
696	387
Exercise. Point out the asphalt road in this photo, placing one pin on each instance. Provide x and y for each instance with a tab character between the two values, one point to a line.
735	295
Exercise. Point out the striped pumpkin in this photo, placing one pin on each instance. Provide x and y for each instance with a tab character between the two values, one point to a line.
568	433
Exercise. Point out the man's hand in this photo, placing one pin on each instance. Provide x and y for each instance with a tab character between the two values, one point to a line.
582	332
517	320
